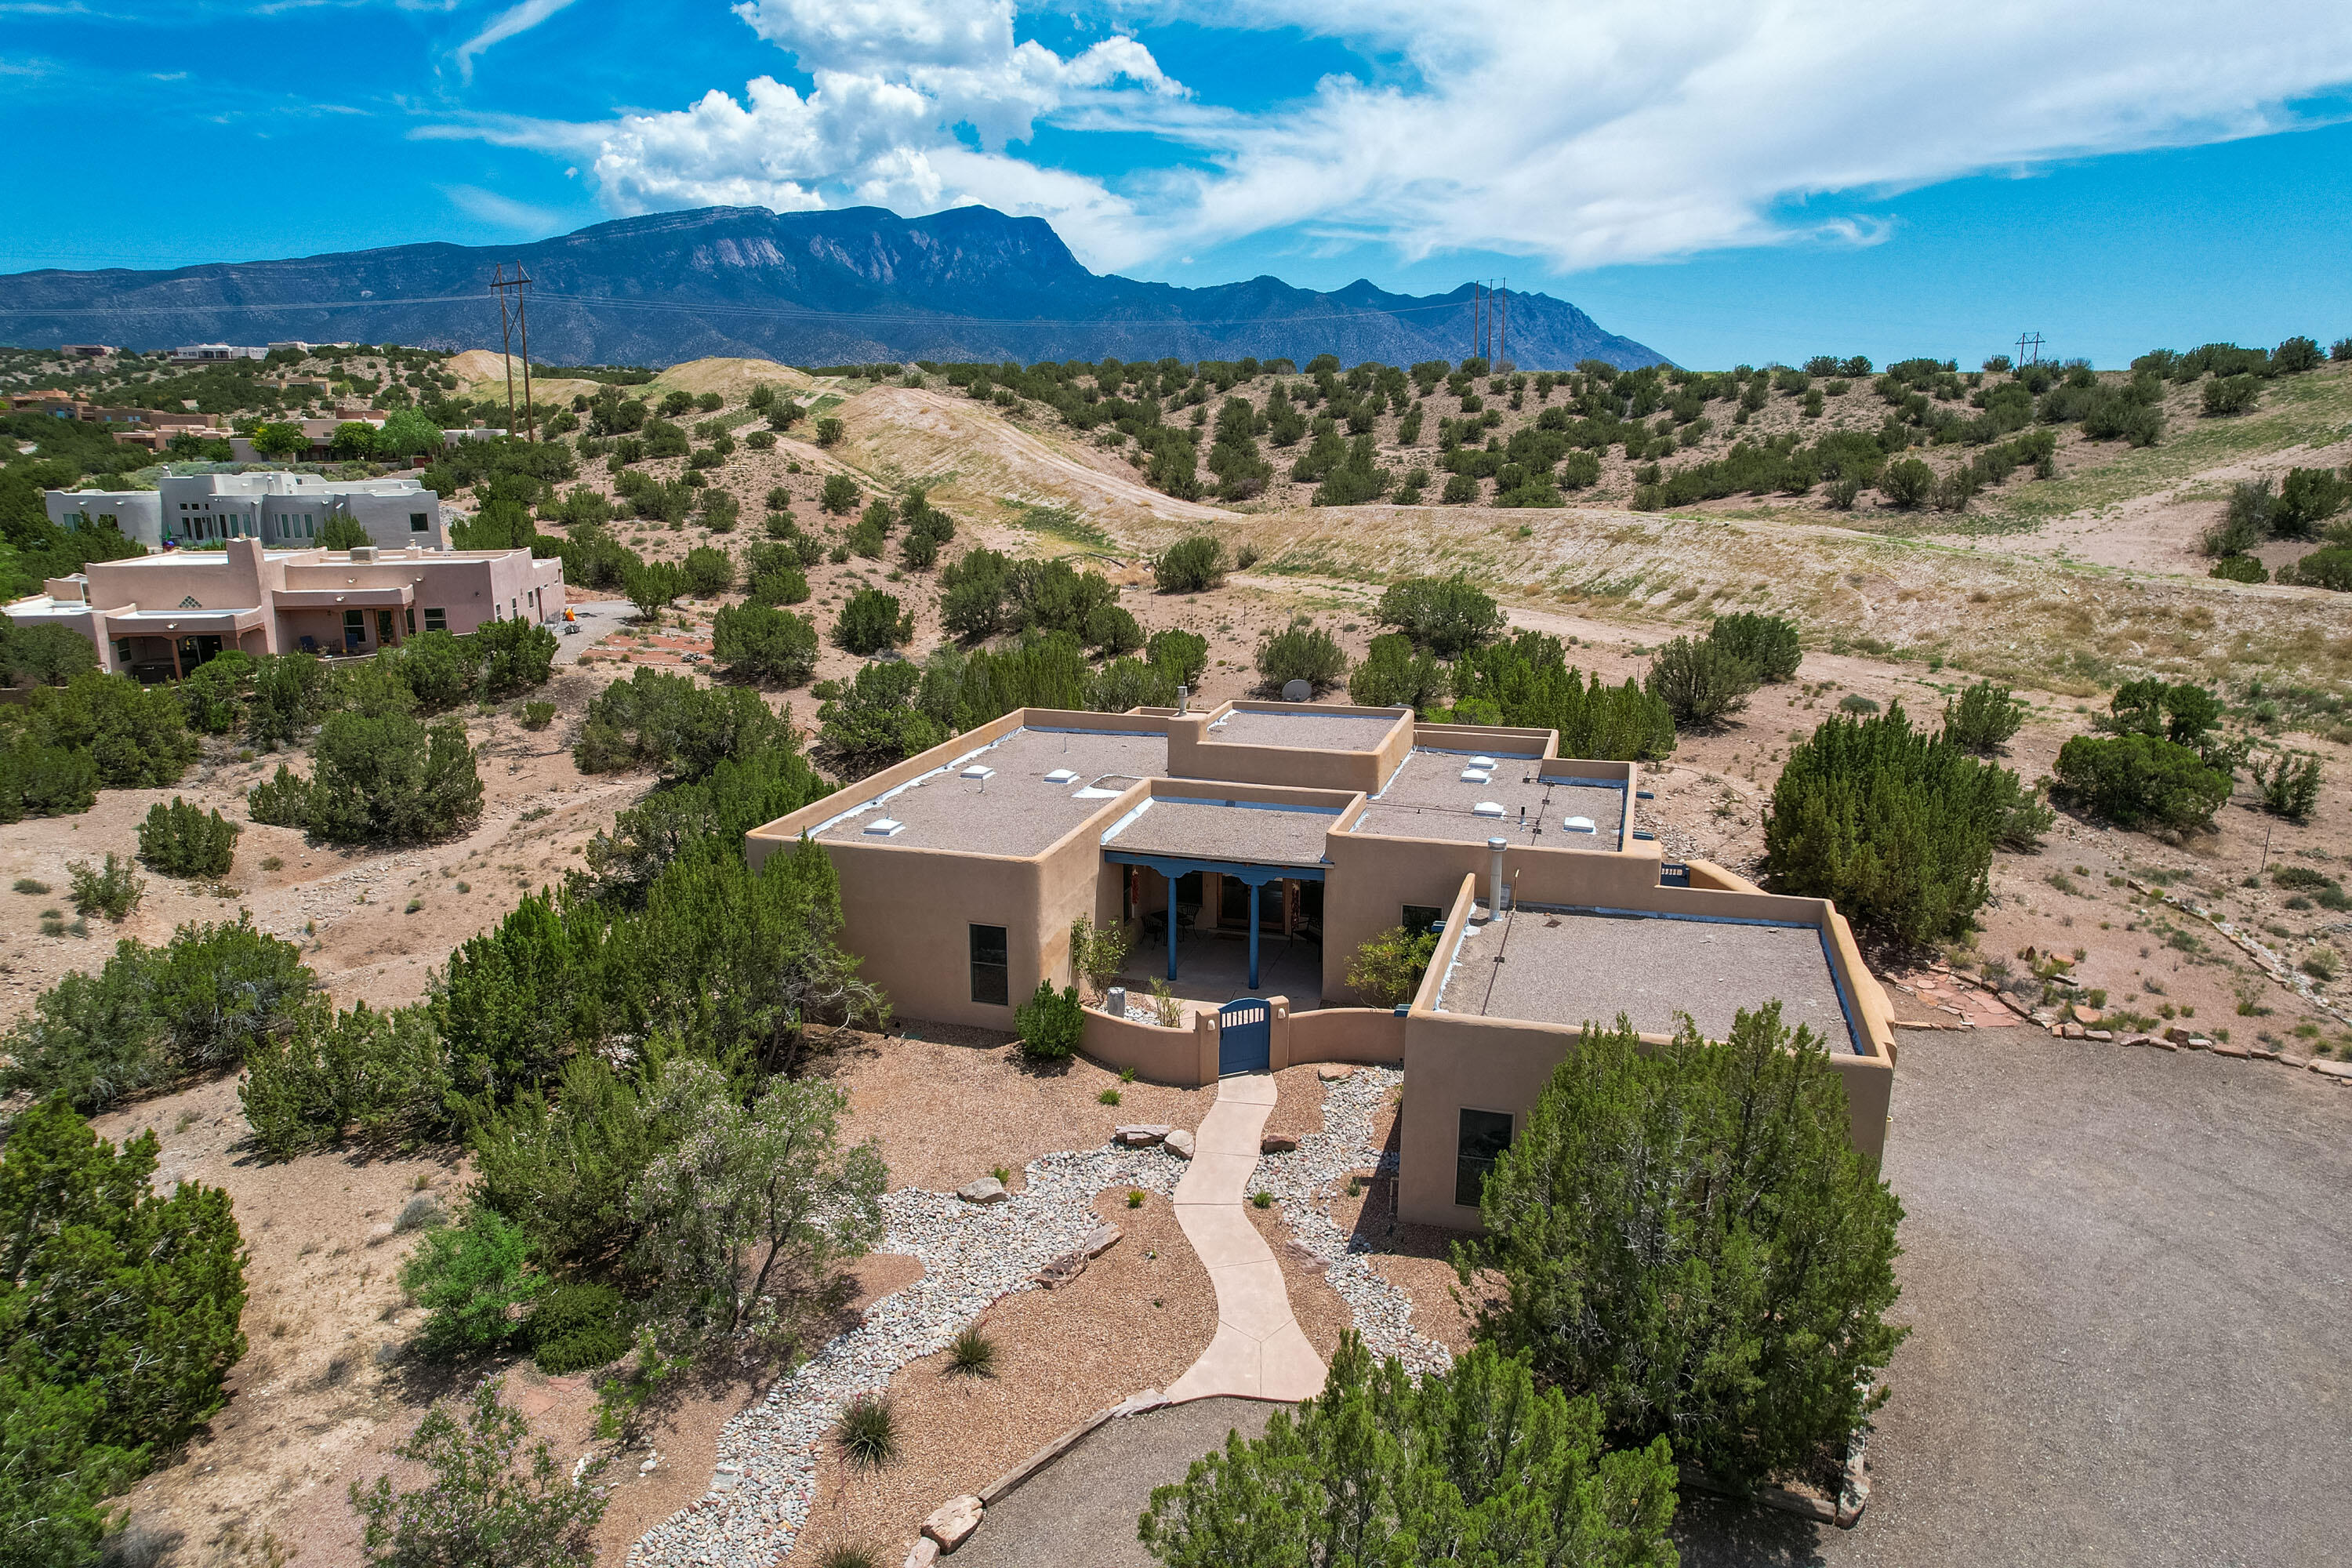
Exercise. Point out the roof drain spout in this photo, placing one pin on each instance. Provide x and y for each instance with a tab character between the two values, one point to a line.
1494	876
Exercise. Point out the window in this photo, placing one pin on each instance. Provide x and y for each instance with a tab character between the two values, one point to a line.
1485	1135
436	620
411	613
418	521
122	650
354	628
1418	918
991	970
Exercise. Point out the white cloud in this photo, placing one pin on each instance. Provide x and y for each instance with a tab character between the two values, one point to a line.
504	211
1581	133
516	19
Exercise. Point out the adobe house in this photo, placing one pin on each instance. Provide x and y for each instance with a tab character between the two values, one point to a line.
1259	845
158	616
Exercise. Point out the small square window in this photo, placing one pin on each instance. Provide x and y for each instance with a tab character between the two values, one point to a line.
1485	1135
418	521
991	970
436	620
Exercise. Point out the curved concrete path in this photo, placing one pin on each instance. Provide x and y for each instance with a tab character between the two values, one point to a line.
1259	1351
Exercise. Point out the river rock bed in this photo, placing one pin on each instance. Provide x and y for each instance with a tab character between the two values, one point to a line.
971	1255
1304	1180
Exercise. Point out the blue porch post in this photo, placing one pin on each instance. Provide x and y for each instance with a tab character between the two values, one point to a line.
1172	928
1254	888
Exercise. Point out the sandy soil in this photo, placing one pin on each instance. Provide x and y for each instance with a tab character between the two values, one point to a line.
1136	1318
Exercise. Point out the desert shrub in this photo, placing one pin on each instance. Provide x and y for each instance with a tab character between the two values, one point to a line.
577	1328
1766	644
382	778
1897	825
380	1079
872	621
972	1354
480	1507
468	1277
1688	1235
290	695
1385	970
215	694
1855	702
110	889
1051	1022
2306	499
2228	395
1185	655
972	594
1127	683
561	1167
538	715
137	736
668	723
91	1040
720	511
771	780
45	780
1906	482
873	722
1480	1463
654	587
867	1432
2137	780
1526	681
215	992
46	656
1301	652
2329	567
1982	718
1445	615
437	669
839	496
760	643
2290	785
709	572
1392	675
2182	712
2239	569
1701	683
283	800
181	840
121	1309
1112	630
1191	566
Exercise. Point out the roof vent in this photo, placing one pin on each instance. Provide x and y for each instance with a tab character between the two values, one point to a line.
1482	761
978	771
1063	775
1488	808
1578	825
883	826
1476	774
362	554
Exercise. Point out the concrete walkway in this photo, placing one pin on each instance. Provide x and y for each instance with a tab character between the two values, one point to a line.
1259	1351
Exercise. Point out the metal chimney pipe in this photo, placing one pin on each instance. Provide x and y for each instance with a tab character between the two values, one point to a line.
1494	847
1183	700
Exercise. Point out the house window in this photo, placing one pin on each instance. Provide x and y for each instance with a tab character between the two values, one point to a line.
354	628
436	620
1485	1135
122	650
1418	918
418	521
411	614
991	970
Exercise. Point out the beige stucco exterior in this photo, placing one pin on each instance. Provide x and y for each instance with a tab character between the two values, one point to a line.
912	899
146	614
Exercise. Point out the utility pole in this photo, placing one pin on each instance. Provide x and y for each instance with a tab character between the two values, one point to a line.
2026	344
520	284
1478	319
1503	326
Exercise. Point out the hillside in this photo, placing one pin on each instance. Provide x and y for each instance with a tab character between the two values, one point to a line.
808	287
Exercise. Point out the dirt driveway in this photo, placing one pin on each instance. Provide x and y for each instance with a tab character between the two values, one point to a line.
2129	1274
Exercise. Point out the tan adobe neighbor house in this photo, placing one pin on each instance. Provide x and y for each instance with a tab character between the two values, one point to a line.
156	616
1269	841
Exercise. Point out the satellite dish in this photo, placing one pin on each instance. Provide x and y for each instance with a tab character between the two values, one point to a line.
1296	692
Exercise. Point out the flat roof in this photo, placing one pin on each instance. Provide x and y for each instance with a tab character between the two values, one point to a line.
1016	809
1578	966
1249	832
1302	731
1433	795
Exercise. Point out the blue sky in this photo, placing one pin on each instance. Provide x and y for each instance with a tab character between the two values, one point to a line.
1725	179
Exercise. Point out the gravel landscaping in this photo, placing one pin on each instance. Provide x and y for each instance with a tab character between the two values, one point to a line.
971	1256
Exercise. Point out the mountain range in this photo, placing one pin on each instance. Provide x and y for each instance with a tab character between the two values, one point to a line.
850	286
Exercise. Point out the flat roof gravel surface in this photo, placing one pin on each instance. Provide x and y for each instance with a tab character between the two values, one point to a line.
1427	797
1303	731
1564	966
1014	811
1223	830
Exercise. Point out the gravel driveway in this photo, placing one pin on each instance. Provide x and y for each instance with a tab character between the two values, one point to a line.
2127	1273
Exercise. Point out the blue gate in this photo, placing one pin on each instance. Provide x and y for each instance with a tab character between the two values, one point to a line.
1245	1035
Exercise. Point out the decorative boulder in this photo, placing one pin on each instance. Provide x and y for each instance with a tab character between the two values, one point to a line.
1276	1143
1142	1134
987	1190
953	1523
1178	1143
